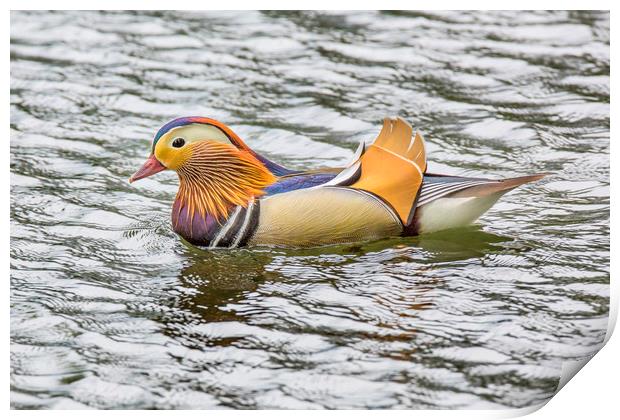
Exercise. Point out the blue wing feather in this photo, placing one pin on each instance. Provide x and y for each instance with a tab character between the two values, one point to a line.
298	182
308	180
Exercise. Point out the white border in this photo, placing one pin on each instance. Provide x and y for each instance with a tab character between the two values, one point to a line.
310	5
593	394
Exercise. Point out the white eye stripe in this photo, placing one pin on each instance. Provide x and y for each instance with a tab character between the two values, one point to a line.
197	132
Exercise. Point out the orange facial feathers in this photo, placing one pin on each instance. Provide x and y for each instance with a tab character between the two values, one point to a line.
216	177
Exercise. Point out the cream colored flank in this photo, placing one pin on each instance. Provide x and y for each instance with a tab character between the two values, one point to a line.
323	216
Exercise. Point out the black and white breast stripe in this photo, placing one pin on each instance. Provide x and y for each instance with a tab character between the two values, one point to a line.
433	191
239	227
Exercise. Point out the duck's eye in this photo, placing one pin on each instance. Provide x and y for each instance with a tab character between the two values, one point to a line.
178	142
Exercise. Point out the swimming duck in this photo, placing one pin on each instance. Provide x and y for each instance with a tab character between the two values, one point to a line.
231	196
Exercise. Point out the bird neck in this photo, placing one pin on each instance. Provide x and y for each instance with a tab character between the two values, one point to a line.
215	179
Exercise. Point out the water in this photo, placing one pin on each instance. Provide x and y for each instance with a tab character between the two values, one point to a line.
110	310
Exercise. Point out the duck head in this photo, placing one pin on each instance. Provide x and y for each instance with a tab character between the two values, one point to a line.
217	170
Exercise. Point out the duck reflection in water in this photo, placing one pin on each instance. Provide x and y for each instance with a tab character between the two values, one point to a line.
214	281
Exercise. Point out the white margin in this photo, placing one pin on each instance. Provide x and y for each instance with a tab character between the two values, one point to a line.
592	394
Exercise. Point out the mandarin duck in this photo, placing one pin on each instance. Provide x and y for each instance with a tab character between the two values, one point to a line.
231	196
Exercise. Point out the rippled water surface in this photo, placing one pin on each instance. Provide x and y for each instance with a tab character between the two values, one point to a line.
110	310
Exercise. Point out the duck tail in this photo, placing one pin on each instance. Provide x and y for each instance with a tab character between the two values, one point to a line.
447	201
501	186
437	186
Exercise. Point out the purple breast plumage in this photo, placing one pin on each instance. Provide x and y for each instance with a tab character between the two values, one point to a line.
207	231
